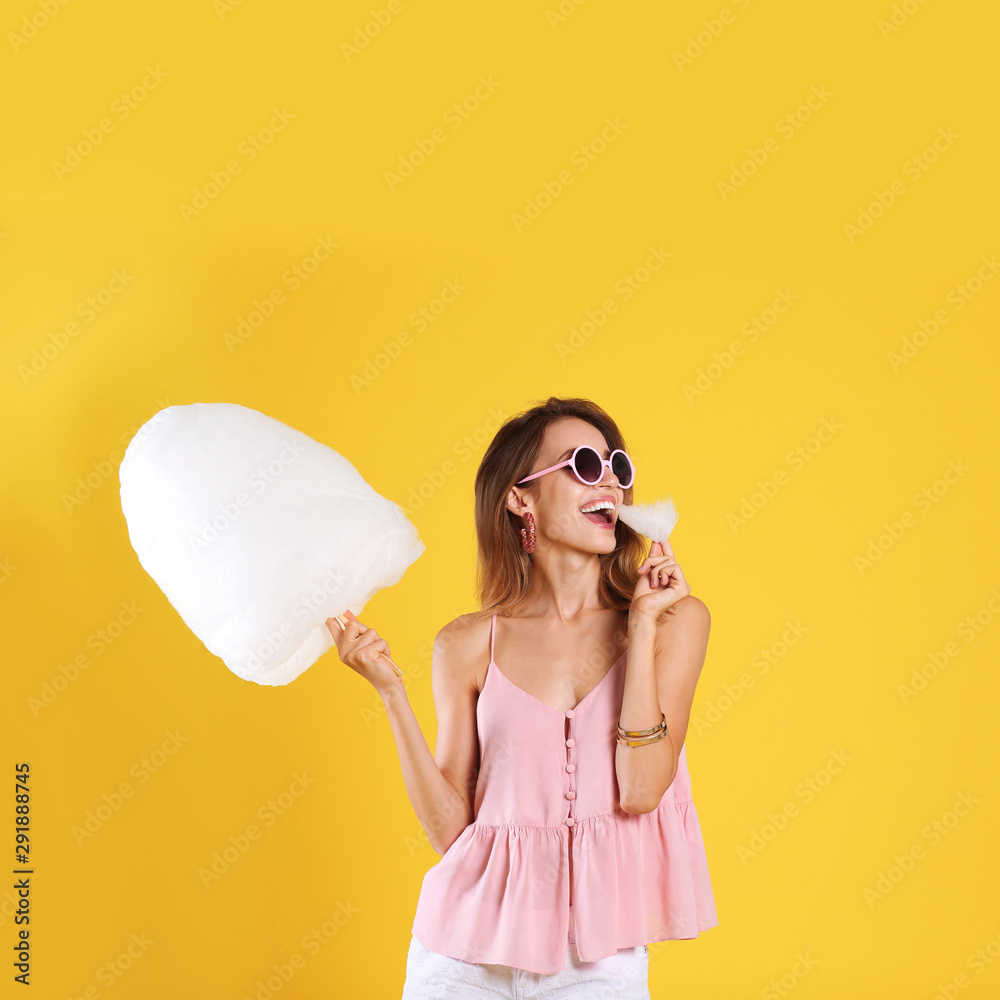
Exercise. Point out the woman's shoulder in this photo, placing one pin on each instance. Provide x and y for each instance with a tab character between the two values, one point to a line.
465	633
691	610
461	649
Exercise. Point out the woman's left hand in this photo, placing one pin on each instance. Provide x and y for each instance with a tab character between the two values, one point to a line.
661	583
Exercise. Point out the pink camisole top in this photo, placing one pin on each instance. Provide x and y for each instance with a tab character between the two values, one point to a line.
547	817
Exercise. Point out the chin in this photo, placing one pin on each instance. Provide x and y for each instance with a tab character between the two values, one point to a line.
600	550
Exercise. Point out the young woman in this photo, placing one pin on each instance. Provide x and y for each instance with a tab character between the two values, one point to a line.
559	796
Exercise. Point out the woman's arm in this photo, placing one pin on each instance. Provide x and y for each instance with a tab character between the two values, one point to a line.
664	663
441	790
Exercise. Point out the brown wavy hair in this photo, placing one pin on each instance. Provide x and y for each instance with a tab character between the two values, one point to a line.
503	572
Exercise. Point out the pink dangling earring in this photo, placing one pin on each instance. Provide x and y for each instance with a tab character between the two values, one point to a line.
528	536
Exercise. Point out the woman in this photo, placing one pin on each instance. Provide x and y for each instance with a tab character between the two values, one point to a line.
559	795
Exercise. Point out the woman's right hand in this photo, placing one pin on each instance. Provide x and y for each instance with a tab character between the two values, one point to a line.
364	652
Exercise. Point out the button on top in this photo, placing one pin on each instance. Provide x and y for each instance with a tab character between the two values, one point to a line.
571	795
570	821
570	768
570	713
571	743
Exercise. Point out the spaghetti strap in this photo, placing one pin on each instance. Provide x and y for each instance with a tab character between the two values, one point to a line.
493	624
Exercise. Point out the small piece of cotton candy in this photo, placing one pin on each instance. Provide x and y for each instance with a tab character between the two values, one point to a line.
655	521
257	534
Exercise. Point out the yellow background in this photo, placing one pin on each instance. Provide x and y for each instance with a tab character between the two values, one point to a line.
793	913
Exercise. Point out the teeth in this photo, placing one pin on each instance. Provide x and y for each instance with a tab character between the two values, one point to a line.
599	505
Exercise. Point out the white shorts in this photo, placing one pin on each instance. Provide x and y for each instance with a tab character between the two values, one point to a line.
624	976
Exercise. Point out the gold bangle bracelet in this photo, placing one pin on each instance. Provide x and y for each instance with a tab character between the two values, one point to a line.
662	724
643	732
642	742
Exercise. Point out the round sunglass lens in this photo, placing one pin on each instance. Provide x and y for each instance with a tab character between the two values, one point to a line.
588	465
622	469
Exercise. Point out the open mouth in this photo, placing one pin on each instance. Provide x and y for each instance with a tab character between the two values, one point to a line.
603	517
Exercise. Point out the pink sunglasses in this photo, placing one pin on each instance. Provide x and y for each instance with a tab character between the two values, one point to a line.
588	467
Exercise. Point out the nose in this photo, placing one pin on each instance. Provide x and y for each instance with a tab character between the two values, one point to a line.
610	480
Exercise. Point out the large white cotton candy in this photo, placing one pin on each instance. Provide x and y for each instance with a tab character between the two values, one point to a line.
257	534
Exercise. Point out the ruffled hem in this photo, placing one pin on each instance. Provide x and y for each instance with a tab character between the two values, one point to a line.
500	894
640	878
